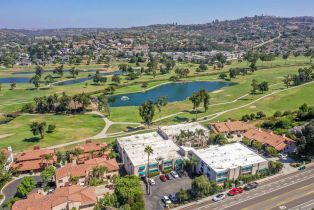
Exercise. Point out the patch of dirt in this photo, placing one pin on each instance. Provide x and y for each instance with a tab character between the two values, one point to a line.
217	91
6	135
252	107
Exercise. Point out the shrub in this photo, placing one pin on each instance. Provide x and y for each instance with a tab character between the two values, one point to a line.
51	128
167	170
153	174
29	108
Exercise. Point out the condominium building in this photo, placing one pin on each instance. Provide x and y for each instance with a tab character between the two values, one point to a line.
34	160
72	197
228	162
165	153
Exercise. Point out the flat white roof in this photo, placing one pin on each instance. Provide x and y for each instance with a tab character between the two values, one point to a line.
174	130
134	147
222	158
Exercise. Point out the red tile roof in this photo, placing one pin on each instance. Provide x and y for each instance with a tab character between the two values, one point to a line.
74	193
82	170
33	164
274	140
111	164
33	154
91	146
230	126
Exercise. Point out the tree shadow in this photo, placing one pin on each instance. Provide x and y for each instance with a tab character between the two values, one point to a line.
181	119
32	139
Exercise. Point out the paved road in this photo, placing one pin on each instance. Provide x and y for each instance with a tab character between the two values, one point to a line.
10	190
292	191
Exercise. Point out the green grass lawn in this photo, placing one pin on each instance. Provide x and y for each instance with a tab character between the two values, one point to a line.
68	128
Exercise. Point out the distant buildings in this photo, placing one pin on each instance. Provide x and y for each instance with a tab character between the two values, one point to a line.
228	162
34	160
72	197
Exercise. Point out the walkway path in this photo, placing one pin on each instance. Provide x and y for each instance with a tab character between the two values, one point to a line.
103	133
268	41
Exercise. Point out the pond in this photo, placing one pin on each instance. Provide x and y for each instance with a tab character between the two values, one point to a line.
14	80
61	83
173	92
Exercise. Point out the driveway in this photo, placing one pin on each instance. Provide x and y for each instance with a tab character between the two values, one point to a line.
153	201
10	189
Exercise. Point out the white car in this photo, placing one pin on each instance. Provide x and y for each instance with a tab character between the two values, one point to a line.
166	200
151	182
283	156
174	174
219	197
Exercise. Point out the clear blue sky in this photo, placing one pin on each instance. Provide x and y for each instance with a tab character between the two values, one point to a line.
125	13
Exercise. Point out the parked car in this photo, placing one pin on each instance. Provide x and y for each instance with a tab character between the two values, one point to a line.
283	156
168	176
163	178
166	200
251	186
151	182
173	198
301	168
235	191
174	174
219	197
180	173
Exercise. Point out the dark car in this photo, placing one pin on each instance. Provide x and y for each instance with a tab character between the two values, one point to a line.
180	173
251	186
168	176
173	198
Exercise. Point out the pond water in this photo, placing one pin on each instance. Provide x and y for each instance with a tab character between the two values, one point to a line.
173	92
14	80
67	82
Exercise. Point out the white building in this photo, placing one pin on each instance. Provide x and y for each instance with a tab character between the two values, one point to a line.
165	153
172	131
9	155
221	163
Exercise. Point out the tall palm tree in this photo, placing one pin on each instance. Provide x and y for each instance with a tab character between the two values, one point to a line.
149	150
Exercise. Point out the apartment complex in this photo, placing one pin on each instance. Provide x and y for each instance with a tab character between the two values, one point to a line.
90	150
83	171
280	143
72	197
230	127
221	163
165	153
34	160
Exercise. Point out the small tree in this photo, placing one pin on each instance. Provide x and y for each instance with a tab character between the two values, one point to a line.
38	128
254	86
147	112
47	176
51	128
27	185
196	101
13	86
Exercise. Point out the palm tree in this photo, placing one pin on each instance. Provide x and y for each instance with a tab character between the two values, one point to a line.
47	158
149	150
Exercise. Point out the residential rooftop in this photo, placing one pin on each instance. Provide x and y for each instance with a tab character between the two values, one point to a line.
135	145
230	126
274	140
174	130
67	195
222	158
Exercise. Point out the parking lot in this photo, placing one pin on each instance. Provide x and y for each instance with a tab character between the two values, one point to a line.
153	201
